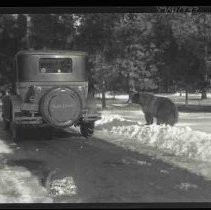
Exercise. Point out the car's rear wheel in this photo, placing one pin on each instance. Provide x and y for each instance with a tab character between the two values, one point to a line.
87	129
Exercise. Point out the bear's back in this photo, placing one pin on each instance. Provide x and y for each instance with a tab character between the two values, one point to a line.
153	104
163	101
167	106
148	101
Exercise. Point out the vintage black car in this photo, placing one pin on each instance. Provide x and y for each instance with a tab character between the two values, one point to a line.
51	91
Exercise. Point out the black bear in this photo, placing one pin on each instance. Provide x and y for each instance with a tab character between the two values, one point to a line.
163	109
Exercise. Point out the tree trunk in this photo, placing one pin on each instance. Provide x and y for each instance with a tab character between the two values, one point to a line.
131	86
186	96
103	95
114	94
203	94
28	31
180	93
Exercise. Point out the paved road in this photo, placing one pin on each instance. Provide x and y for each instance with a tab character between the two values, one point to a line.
103	172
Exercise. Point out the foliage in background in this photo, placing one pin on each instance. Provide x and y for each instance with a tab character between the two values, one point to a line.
127	51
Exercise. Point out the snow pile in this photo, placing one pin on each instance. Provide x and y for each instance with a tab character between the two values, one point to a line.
186	186
175	140
4	148
65	186
134	161
108	122
19	186
110	95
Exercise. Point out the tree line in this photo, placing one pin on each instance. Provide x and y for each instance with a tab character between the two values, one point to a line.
159	52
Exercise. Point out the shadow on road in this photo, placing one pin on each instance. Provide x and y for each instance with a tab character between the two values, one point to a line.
103	172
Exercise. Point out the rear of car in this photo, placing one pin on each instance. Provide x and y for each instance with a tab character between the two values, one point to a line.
51	90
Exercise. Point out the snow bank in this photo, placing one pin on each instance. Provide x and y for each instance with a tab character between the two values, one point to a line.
186	186
109	95
175	140
65	186
19	186
4	148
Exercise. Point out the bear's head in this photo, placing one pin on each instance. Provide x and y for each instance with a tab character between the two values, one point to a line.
135	98
141	98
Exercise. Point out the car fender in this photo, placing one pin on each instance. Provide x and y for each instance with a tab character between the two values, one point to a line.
15	102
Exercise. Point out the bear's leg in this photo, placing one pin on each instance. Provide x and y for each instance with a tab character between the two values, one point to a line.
159	121
170	120
148	118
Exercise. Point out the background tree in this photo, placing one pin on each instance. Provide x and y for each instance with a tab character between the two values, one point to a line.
134	51
181	57
127	51
10	36
52	31
95	35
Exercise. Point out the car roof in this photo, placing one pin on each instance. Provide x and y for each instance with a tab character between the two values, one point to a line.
51	52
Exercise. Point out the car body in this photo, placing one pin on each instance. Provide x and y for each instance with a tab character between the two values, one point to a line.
51	90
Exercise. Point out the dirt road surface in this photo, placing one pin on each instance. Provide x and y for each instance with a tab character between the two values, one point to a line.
102	172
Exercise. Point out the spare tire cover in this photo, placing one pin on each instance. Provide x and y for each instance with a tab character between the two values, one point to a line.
61	107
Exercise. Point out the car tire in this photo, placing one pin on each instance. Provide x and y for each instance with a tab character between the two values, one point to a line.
87	129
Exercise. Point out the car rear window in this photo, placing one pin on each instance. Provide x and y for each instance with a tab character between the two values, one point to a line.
55	65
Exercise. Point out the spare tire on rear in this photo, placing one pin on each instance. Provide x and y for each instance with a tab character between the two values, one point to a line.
61	107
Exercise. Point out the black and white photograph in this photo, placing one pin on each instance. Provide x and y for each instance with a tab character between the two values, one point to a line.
100	106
